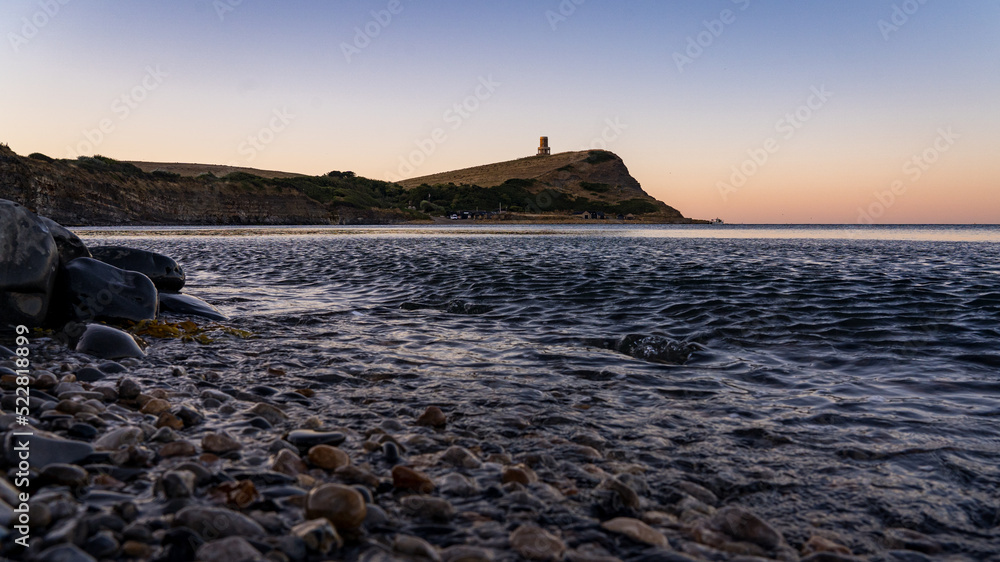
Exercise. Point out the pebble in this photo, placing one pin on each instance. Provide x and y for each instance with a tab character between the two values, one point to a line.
272	414
701	493
636	530
319	535
287	462
89	374
328	458
118	438
911	540
428	507
341	505
432	417
181	448
391	453
220	443
406	478
62	474
136	549
167	419
454	484
415	546
744	525
46	449
520	474
177	484
535	543
218	522
128	389
817	543
461	457
229	549
466	553
308	438
102	545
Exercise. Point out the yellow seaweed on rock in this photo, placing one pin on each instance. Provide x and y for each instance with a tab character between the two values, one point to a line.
186	331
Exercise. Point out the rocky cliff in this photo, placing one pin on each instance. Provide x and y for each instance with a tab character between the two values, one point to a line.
105	192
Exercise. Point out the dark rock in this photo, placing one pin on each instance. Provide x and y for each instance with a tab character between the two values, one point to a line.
29	259
62	474
128	389
189	416
217	522
180	545
83	431
89	374
64	553
108	343
102	545
99	291
307	438
187	305
111	368
744	525
654	348
68	244
341	505
162	270
229	549
391	452
47	449
177	484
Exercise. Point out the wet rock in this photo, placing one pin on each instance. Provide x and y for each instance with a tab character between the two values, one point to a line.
414	546
30	257
700	493
181	448
82	430
628	496
187	305
328	458
229	549
287	462
64	553
341	505
466	553
155	407
461	457
272	414
817	543
428	507
535	543
220	443
118	438
162	270
319	535
655	349
177	484
906	539
217	522
47	449
106	342
68	244
167	419
98	291
520	474
432	417
128	389
102	545
391	452
61	474
744	525
636	530
306	438
137	549
89	374
189	416
406	478
455	484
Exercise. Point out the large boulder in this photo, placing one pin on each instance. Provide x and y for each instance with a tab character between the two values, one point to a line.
98	291
187	305
28	262
106	342
162	270
70	246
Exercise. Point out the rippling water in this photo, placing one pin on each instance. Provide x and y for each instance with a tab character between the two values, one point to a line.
841	378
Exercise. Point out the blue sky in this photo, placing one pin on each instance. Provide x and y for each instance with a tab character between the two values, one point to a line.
268	85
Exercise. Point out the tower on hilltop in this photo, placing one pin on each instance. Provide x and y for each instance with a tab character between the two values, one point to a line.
543	146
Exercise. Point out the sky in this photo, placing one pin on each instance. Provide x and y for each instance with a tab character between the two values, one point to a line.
753	111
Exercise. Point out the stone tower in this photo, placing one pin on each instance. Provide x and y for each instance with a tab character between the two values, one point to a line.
543	146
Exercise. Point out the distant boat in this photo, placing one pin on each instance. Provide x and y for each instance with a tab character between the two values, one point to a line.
716	221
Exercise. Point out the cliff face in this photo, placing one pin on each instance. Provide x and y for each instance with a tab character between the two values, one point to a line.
73	195
595	174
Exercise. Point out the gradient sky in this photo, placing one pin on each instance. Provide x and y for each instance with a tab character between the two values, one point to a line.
268	85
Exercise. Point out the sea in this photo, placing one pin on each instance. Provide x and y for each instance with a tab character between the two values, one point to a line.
835	377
